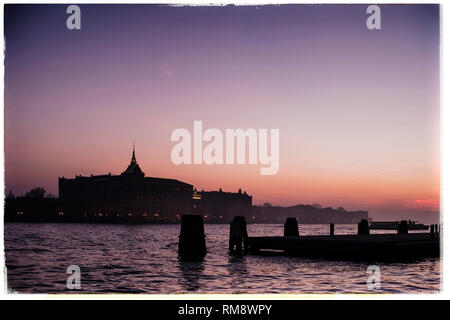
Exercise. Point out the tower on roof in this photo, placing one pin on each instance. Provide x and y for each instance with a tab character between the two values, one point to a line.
133	168
133	157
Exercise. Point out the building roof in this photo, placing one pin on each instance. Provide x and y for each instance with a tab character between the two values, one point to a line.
133	168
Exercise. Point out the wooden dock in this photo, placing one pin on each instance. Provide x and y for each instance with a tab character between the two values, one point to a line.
351	247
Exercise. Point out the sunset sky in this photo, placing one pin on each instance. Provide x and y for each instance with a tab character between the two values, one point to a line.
357	109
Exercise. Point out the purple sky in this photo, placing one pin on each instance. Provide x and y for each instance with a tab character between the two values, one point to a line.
357	109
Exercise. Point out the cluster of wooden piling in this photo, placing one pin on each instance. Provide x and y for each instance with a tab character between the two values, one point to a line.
435	228
192	242
291	228
354	247
192	237
238	236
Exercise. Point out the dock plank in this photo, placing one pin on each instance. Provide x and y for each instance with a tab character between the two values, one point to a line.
352	247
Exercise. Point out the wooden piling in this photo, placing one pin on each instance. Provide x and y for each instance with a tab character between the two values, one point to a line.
363	227
331	229
402	227
192	237
432	229
238	236
291	228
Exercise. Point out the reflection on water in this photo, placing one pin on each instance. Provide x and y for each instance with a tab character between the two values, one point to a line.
192	274
237	267
144	259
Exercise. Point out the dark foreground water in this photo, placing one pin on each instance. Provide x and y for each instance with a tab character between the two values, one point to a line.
144	259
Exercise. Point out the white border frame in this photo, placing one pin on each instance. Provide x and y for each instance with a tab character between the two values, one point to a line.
445	172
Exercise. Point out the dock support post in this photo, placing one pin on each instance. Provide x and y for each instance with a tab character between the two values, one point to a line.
192	237
331	229
363	227
291	228
238	236
402	227
432	228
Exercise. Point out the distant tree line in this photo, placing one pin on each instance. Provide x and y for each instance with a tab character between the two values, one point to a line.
35	193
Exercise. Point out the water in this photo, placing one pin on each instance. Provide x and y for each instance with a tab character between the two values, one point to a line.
144	259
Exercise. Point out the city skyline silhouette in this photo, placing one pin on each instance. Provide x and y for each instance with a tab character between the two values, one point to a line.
357	109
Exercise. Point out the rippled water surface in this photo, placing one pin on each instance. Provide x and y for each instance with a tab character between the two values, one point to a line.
144	259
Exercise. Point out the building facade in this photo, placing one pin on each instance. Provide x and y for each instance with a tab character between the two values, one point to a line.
222	207
128	197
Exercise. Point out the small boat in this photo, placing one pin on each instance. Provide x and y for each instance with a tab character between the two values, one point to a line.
393	225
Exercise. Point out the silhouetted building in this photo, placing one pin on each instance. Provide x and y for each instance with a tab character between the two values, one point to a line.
133	197
222	207
306	214
129	197
28	209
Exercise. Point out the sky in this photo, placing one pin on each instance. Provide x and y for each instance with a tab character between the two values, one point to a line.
357	109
